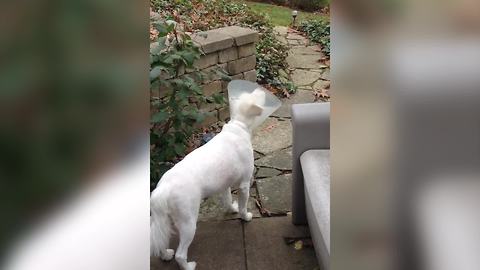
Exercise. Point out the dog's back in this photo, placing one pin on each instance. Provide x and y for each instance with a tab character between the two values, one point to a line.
222	162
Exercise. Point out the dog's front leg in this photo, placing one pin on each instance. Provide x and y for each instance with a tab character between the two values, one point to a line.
243	194
231	207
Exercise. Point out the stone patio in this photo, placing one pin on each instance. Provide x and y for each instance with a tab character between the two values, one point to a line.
266	243
223	241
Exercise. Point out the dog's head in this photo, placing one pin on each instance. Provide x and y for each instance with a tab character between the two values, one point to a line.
249	106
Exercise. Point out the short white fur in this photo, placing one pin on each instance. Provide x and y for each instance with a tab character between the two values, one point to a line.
225	161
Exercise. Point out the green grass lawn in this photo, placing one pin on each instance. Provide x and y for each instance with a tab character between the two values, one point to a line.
280	15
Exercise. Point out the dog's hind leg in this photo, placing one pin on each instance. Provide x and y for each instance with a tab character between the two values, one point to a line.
243	194
231	207
186	231
186	223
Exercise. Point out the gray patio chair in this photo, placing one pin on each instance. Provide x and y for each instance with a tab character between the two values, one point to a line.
311	174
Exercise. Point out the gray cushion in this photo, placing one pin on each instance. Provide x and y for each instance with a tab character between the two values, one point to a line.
311	130
316	172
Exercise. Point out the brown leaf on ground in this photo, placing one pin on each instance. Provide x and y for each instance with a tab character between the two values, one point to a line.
263	211
268	128
325	61
299	242
322	94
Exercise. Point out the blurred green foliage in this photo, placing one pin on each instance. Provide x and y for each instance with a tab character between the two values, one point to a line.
73	88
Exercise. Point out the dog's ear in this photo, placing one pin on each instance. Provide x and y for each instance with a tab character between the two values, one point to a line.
254	110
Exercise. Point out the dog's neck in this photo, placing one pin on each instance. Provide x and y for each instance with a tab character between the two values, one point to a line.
239	126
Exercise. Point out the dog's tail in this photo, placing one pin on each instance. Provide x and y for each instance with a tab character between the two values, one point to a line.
160	224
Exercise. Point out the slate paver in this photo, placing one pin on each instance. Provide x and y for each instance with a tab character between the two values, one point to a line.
280	160
217	245
212	208
305	61
304	77
266	248
321	84
272	135
266	172
309	50
301	96
276	193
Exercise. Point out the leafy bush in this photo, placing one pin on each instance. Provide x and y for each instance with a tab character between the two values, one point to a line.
210	14
318	31
309	5
173	116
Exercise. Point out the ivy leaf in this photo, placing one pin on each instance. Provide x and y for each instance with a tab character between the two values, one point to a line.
200	117
155	48
155	73
179	149
160	117
218	98
171	58
188	58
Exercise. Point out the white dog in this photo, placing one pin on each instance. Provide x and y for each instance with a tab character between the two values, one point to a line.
225	161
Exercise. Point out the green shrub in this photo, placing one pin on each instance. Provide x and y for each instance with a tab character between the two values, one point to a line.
210	14
278	2
173	116
309	5
318	31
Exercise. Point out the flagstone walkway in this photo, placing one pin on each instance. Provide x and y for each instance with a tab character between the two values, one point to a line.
222	241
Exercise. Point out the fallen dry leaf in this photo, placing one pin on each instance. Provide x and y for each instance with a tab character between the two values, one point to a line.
268	128
298	245
322	94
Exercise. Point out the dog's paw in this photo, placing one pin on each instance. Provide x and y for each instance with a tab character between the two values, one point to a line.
234	207
191	265
247	216
168	255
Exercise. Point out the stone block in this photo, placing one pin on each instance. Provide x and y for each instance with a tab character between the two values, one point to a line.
212	41
232	77
241	65
225	85
224	113
237	77
212	88
246	50
211	75
210	119
241	35
206	60
227	55
208	106
250	75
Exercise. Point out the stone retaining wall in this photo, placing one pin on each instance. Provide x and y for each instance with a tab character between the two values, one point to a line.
231	49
